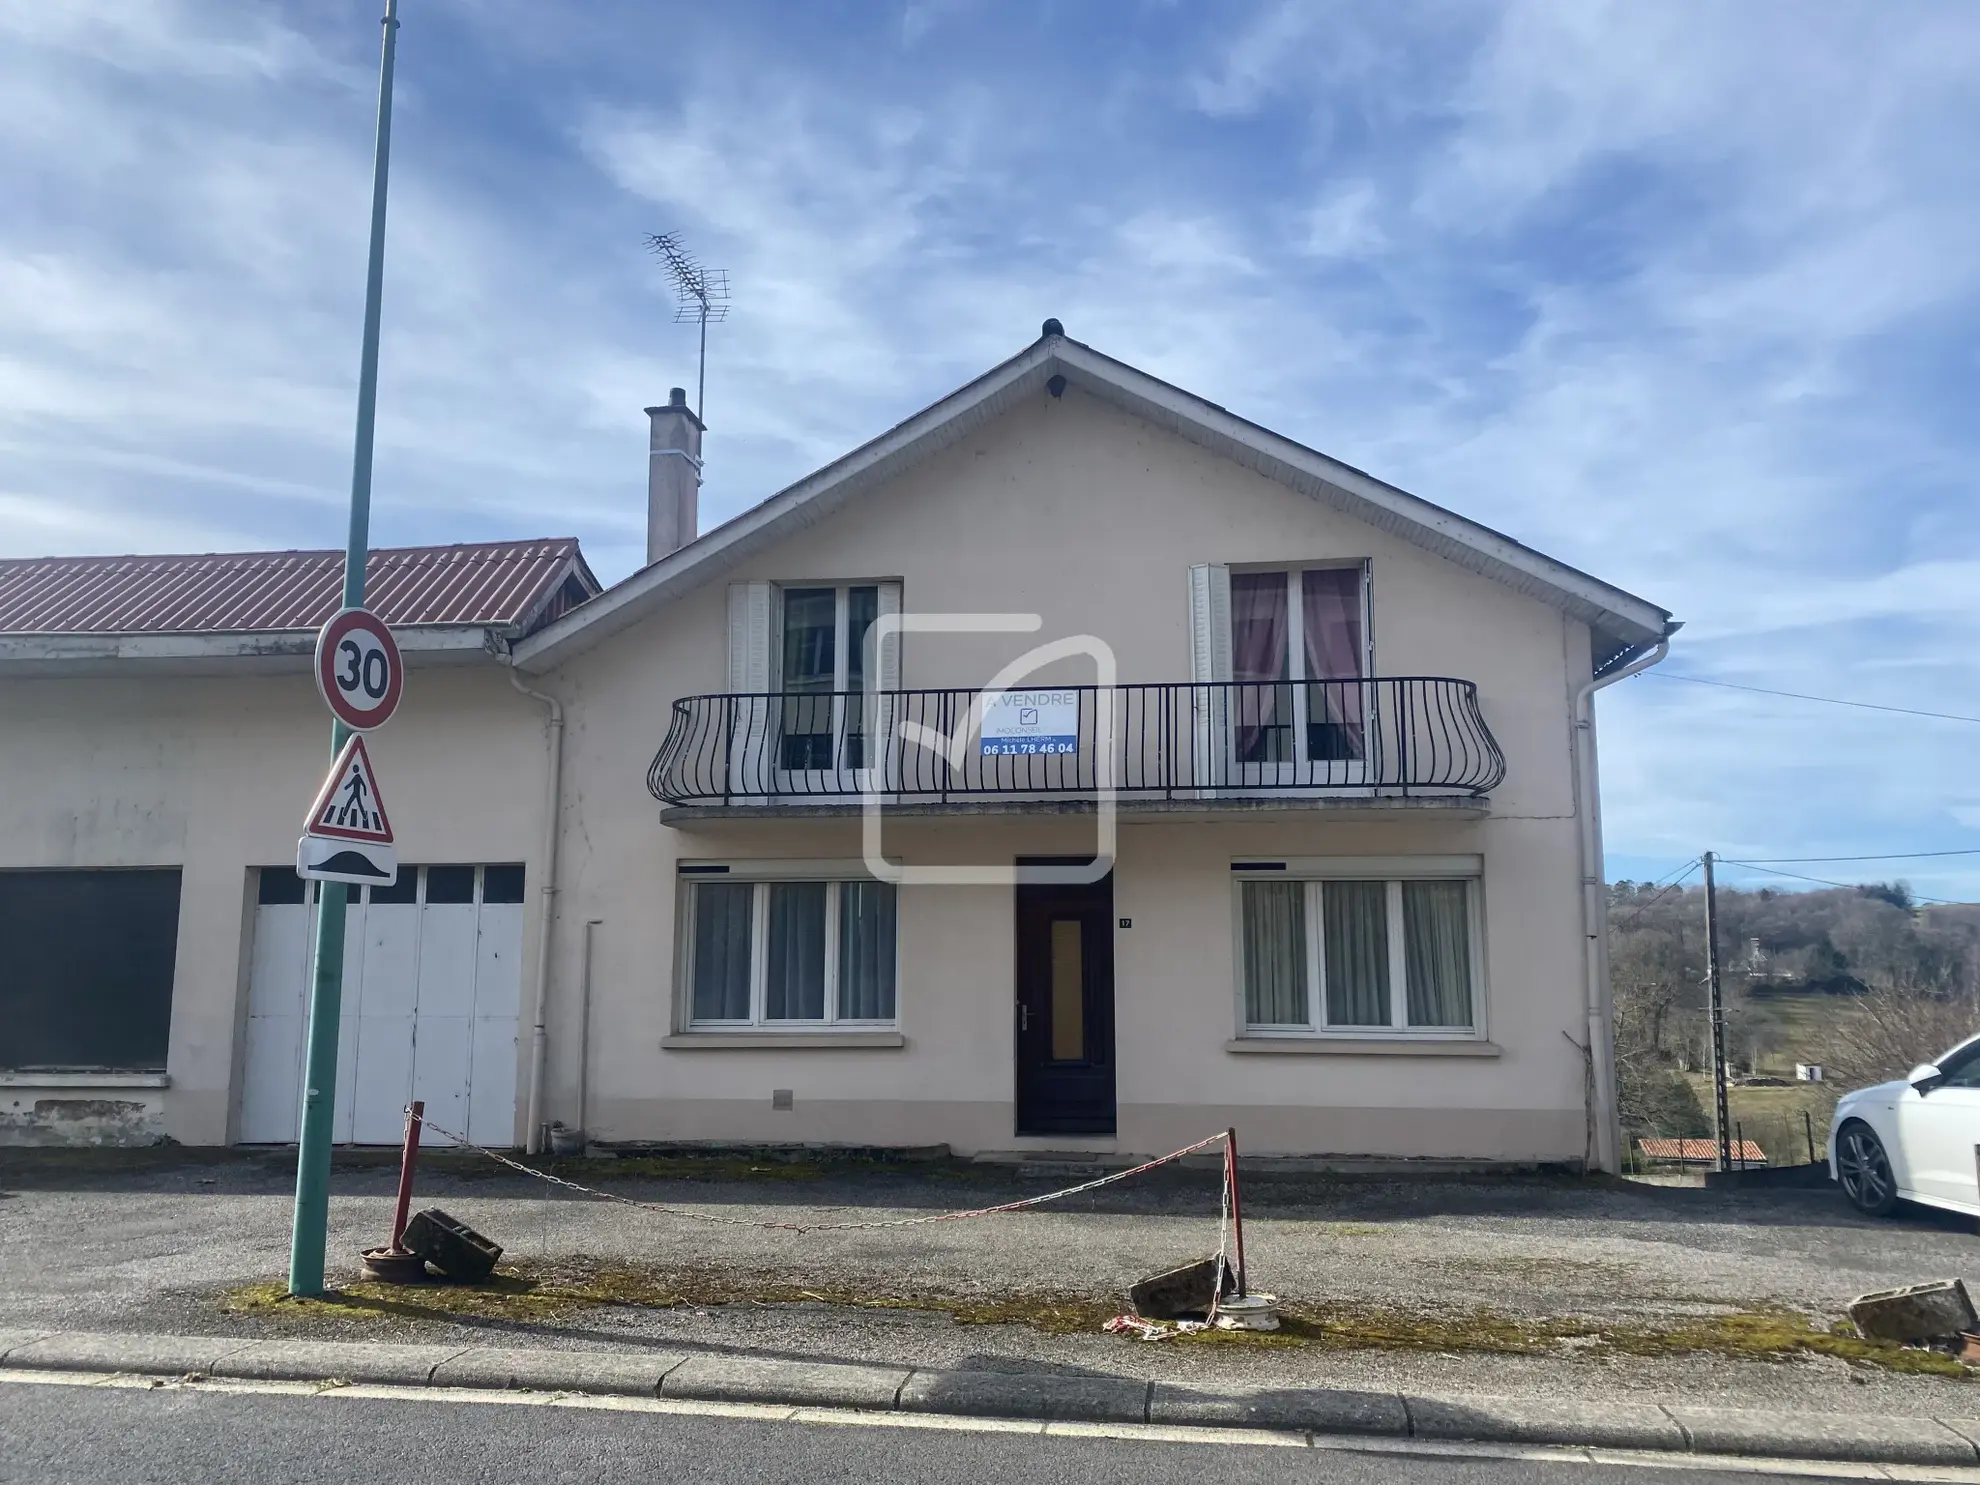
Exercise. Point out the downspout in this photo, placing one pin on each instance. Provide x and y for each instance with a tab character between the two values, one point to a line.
1594	910
540	985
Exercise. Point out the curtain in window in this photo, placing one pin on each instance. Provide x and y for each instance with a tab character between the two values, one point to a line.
1437	953
794	976
1330	614
1354	917
721	950
811	621
866	951
1274	927
1260	713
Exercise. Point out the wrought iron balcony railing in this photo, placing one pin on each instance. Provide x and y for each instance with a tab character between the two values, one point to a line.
1405	735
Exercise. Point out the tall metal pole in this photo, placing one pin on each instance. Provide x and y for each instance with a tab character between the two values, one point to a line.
312	1213
701	375
1721	1123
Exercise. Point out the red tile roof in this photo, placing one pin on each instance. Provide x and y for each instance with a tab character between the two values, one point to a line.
1705	1151
495	583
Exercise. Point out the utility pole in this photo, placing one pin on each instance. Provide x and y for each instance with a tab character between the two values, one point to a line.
308	1234
1721	1122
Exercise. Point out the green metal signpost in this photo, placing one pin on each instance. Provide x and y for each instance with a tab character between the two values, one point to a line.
312	1214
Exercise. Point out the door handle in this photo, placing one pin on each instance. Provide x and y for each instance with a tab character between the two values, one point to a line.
1024	1016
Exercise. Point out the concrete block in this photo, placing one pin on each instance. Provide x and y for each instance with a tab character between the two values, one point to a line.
451	1246
1047	1395
1321	1409
348	1361
1518	1420
799	1383
628	1373
1863	1438
1180	1292
166	1355
1918	1312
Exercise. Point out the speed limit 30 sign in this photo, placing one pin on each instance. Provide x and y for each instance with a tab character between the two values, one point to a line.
358	669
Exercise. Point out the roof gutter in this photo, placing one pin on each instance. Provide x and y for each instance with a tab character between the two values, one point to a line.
1605	1133
539	1036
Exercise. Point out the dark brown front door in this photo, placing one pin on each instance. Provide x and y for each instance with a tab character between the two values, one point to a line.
1065	1007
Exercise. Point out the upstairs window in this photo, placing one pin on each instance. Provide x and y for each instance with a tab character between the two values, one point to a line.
1296	636
823	655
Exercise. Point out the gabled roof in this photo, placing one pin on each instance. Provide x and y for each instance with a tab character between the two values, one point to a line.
212	614
501	585
1623	624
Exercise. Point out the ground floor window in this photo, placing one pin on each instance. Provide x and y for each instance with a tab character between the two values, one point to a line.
1358	956
86	964
783	953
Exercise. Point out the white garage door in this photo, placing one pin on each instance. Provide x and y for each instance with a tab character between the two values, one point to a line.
432	988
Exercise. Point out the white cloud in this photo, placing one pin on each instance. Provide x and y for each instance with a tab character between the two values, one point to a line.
153	37
1344	223
1667	292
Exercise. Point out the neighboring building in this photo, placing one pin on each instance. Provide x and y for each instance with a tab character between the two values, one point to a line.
1664	1150
160	737
1354	896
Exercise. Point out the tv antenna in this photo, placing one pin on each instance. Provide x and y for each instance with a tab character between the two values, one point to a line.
704	297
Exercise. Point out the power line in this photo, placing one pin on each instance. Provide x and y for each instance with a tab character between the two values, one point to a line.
1892	856
1676	872
1825	882
1868	706
1681	873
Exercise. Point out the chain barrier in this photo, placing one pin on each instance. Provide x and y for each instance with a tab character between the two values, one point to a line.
1218	1138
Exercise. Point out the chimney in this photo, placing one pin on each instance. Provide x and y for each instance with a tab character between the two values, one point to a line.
673	477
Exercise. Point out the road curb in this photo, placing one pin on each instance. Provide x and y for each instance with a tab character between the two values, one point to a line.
1031	1395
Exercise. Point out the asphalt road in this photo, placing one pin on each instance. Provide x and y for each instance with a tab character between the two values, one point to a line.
70	1435
152	1248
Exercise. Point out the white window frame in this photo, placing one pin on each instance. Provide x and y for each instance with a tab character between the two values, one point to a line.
1313	873
829	780
1299	770
763	876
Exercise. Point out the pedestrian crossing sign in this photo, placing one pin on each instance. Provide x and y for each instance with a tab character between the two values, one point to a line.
349	807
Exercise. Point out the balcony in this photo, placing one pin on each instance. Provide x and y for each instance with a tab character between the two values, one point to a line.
1379	744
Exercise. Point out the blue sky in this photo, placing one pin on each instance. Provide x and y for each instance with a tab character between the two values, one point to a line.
1684	294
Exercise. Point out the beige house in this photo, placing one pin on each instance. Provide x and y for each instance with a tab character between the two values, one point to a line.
1074	767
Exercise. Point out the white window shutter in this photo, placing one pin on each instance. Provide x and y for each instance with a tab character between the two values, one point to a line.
884	717
738	636
749	636
887	664
1210	622
749	672
1209	662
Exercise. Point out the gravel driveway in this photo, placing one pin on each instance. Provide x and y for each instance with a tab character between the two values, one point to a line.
158	1246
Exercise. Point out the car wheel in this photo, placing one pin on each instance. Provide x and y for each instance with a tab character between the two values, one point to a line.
1865	1170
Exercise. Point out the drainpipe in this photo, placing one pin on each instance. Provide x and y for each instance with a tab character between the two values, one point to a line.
584	1035
540	986
1594	923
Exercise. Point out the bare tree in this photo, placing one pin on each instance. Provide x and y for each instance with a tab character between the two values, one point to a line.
1889	1030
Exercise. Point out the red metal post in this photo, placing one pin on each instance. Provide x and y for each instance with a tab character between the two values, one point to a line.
1237	1210
408	1158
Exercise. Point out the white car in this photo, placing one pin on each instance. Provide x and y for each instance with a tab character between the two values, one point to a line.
1917	1139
